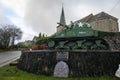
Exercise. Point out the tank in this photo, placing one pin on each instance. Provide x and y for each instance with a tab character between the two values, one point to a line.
77	36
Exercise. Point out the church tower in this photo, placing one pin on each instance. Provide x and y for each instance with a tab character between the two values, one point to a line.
62	23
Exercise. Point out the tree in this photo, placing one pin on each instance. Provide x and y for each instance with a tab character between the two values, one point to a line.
16	34
8	35
4	37
39	34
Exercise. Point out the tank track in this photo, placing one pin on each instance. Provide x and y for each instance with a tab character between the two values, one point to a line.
78	43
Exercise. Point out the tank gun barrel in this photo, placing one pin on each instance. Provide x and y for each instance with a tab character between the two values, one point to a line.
62	25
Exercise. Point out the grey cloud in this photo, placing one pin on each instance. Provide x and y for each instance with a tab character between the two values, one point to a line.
43	15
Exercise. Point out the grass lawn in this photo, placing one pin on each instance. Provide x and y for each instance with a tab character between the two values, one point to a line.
4	50
1	50
12	73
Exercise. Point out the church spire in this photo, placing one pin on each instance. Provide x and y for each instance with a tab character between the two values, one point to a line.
62	18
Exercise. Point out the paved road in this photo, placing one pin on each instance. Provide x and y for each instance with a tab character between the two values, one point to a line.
8	57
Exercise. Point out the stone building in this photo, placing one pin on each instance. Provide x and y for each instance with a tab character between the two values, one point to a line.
101	21
28	43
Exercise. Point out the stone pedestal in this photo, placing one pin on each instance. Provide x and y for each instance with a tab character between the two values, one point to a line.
61	70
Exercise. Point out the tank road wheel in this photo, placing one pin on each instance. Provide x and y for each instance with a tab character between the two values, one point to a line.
71	45
61	45
87	44
100	45
79	44
75	46
94	47
51	43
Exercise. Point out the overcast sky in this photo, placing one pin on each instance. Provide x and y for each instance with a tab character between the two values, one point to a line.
35	16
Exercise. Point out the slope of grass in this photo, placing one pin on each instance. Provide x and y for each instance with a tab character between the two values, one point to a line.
12	73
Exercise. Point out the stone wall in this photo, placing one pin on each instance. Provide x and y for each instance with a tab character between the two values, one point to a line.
113	39
80	63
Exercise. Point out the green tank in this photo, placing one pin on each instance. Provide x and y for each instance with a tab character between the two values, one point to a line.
77	36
